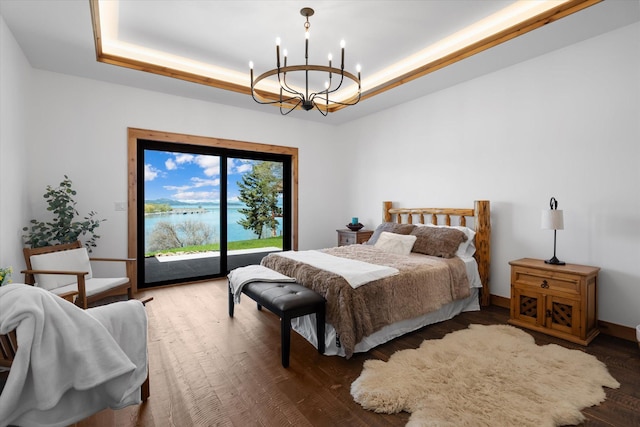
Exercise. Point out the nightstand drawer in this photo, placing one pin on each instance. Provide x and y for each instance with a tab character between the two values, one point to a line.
346	239
349	237
541	280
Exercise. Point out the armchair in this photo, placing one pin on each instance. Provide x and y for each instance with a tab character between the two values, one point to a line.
66	363
65	270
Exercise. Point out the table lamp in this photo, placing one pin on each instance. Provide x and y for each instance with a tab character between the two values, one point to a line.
552	220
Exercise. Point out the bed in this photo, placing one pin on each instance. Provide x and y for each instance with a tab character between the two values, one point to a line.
441	275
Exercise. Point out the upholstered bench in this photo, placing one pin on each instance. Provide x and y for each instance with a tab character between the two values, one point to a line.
288	301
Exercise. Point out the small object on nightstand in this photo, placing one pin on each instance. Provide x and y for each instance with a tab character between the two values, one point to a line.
558	300
352	237
355	227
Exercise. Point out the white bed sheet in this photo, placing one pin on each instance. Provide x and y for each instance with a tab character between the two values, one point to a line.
306	325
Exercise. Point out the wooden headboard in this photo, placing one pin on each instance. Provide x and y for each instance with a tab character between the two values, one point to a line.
482	222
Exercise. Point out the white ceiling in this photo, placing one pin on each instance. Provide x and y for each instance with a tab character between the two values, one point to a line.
57	35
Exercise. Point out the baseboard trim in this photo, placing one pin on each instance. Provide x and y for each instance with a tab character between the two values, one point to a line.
618	331
607	328
500	301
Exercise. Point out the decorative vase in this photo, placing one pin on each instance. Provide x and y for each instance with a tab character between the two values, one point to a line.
355	227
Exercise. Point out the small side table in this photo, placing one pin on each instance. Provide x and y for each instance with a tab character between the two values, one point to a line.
557	300
348	237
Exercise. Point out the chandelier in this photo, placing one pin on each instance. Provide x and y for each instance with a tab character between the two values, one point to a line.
291	98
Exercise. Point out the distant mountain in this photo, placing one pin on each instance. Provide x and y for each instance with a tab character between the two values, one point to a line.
163	202
172	202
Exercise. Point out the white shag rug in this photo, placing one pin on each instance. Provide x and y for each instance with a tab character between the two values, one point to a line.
485	376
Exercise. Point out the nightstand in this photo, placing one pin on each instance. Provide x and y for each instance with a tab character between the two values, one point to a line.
558	300
348	237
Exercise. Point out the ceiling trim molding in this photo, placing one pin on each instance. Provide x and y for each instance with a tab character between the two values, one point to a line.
537	21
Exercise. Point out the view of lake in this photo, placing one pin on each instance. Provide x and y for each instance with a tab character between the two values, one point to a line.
209	214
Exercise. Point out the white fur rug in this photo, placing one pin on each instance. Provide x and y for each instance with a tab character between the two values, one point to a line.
485	376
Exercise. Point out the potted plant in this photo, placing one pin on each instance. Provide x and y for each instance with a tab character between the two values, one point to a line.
63	228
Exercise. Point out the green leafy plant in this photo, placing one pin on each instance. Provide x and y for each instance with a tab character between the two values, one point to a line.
63	228
5	275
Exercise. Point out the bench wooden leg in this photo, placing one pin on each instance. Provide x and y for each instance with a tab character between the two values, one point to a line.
231	303
285	334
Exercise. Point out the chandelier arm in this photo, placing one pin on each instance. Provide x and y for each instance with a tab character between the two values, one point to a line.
284	113
339	85
264	76
324	113
285	86
327	93
265	101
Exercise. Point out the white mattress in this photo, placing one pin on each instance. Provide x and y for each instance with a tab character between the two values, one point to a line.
306	325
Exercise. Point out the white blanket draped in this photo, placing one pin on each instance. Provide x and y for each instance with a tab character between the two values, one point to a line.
356	273
240	276
70	363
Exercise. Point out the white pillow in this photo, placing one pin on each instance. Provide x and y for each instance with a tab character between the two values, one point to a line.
466	249
70	260
395	243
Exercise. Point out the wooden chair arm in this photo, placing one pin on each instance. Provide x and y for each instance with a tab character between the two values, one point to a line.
68	273
113	259
130	265
82	292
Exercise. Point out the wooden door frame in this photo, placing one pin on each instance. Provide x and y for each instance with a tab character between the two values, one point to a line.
133	135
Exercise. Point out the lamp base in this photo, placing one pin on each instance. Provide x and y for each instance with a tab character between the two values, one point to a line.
554	261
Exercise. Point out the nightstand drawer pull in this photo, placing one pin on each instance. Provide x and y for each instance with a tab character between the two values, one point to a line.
544	284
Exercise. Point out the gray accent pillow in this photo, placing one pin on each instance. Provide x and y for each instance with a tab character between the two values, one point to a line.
436	241
390	227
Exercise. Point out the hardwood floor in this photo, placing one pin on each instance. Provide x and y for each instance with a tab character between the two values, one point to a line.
209	370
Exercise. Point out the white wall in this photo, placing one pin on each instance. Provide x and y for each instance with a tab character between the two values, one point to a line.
15	78
566	124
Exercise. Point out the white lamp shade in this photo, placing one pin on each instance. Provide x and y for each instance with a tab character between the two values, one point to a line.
552	219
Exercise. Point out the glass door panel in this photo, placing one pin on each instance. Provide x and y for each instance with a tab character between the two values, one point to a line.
255	210
182	232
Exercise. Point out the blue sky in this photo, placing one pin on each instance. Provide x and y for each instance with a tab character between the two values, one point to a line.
190	178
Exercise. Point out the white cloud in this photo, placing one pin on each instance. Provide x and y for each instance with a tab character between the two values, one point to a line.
209	164
196	196
184	158
235	166
245	167
170	165
177	187
150	173
199	182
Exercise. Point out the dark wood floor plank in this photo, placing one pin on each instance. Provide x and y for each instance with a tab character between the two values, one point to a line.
208	369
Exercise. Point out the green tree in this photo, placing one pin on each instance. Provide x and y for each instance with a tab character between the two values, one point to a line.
259	192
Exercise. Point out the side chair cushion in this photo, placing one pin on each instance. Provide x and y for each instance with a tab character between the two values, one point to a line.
69	260
93	286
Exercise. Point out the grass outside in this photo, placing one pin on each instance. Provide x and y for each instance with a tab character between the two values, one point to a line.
231	246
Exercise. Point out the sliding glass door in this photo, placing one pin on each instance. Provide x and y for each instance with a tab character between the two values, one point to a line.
203	211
